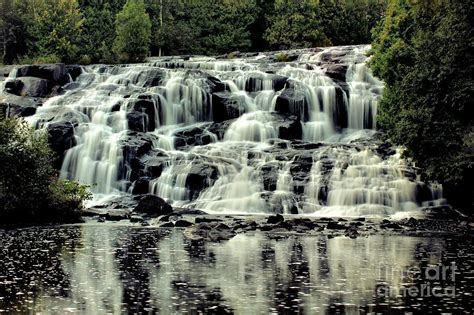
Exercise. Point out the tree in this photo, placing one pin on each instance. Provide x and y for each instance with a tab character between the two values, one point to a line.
295	25
55	29
29	189
133	32
12	30
423	51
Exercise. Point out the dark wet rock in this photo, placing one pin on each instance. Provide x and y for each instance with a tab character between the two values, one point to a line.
138	121
142	116
153	205
337	72
391	225
222	226
150	78
182	223
385	150
194	135
340	113
285	225
167	225
22	106
215	235
206	220
274	219
28	86
117	215
225	106
310	224
61	138
269	174
188	211
141	186
336	226
136	144
74	71
289	127
442	212
359	219
352	232
56	73
200	176
292	102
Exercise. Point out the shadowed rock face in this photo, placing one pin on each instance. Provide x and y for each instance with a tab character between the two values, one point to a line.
247	135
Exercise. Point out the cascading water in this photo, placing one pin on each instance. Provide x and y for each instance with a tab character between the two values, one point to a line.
249	135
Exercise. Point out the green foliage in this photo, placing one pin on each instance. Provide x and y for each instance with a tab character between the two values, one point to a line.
281	57
133	32
29	190
55	27
39	60
295	25
79	30
423	51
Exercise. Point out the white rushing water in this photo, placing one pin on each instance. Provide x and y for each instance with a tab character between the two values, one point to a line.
217	135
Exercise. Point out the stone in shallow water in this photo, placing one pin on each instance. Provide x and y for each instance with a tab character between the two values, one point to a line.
153	205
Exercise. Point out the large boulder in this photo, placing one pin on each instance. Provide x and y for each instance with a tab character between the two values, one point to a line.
138	121
74	71
225	107
153	205
201	176
293	102
193	135
28	86
13	105
55	73
61	139
289	127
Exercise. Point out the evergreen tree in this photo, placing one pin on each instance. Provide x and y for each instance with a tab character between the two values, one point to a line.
133	32
423	51
295	25
55	29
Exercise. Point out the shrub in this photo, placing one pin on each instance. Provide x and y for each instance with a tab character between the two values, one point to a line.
29	188
281	57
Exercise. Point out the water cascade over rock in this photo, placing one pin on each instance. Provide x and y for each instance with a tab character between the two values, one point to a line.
247	135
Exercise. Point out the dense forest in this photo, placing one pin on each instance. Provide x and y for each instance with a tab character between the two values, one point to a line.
91	31
424	53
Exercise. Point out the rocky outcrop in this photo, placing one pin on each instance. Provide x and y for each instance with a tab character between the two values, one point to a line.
194	135
61	138
225	107
153	206
28	86
292	102
14	105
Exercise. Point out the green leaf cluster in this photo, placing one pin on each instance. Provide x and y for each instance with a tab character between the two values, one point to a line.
29	188
423	51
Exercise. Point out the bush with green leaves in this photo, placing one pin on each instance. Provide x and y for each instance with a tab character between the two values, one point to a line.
423	51
133	32
29	188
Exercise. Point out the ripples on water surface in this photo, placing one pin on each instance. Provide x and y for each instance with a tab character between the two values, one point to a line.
94	269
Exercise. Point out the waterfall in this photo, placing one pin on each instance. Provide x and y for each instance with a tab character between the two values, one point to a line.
247	135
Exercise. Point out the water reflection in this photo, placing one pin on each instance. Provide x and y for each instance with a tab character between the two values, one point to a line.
95	269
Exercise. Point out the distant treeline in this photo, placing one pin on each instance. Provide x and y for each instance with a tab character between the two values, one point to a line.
90	31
